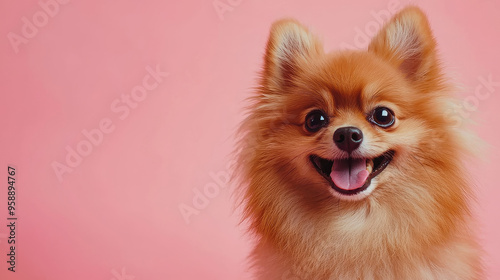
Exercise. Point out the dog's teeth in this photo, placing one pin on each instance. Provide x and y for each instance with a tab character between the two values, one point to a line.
369	165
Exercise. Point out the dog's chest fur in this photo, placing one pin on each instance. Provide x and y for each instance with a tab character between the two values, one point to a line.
334	257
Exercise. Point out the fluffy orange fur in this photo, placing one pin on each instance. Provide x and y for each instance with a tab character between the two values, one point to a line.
415	223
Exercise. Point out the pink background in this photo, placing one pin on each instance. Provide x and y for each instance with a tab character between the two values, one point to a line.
116	215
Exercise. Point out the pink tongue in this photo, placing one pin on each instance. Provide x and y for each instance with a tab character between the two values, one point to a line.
349	174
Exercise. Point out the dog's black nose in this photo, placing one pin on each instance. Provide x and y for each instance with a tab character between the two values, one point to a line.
348	138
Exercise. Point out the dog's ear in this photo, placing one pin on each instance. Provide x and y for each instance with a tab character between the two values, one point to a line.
406	41
289	44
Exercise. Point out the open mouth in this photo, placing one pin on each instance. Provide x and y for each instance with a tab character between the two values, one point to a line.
351	175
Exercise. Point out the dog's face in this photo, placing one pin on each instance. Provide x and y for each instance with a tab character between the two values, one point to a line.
350	124
351	121
350	128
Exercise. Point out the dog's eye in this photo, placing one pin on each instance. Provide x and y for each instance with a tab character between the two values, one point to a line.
315	120
382	116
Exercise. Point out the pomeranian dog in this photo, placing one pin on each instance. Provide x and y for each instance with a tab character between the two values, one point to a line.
350	167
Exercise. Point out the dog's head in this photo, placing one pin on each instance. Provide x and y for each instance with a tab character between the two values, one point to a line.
351	126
